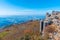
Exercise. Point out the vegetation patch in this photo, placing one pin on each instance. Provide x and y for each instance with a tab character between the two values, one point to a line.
2	34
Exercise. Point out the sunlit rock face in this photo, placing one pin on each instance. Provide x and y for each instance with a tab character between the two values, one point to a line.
53	30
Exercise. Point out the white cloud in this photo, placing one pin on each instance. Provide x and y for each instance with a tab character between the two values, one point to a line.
6	9
23	12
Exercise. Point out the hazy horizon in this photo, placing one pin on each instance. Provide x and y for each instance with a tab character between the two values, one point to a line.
28	7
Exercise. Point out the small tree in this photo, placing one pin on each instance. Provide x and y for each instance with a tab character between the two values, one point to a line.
27	37
22	38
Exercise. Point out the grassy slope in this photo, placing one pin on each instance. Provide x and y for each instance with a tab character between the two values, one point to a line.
16	31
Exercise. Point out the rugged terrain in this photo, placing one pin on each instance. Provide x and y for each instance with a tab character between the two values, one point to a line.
16	31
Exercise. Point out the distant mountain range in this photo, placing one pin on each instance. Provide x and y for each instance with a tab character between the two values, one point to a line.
10	20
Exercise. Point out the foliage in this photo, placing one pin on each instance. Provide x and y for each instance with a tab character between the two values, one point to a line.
32	36
26	37
3	34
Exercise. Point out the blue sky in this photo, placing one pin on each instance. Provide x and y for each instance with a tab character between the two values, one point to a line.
28	7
